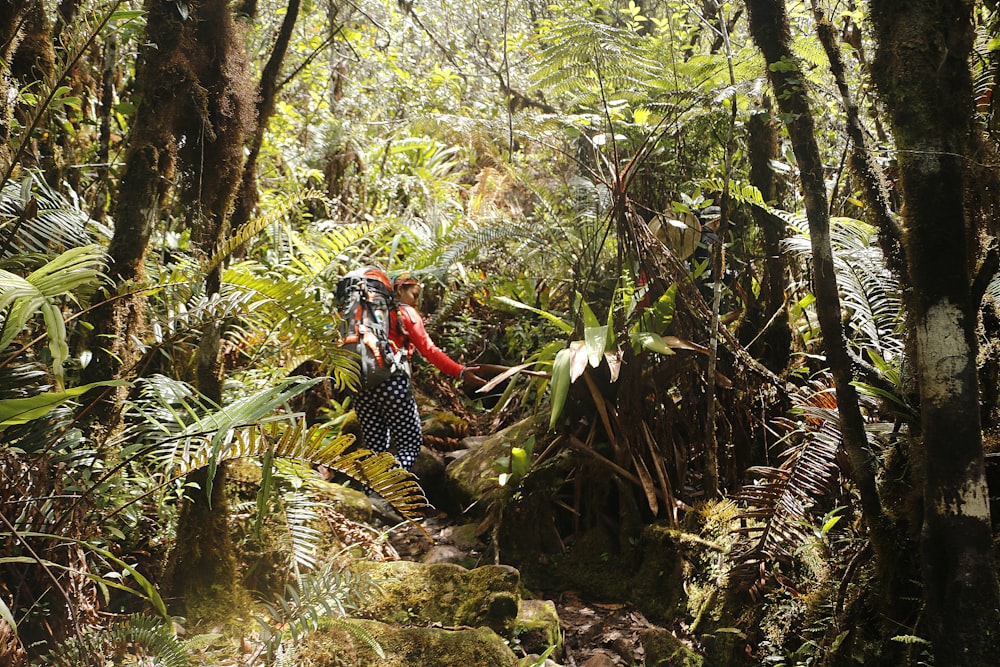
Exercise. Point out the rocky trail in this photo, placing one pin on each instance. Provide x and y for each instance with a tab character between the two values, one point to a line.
594	633
441	601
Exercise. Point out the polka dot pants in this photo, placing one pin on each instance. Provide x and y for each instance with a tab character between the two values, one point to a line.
389	419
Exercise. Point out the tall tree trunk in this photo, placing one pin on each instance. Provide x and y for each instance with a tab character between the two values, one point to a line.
246	200
770	314
34	62
11	32
923	60
873	183
203	564
164	91
769	26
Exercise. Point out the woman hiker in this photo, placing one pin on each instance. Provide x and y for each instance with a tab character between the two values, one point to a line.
388	412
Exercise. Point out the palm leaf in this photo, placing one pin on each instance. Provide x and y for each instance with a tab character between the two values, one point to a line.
320	444
868	289
34	218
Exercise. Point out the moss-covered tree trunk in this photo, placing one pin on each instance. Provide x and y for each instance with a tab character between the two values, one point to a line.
767	321
922	73
267	96
164	88
205	582
11	15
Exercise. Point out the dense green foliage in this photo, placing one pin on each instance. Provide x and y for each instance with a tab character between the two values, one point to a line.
546	170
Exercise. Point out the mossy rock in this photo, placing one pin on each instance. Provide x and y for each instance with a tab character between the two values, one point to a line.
442	424
538	627
663	649
350	502
659	580
403	647
651	574
472	479
442	593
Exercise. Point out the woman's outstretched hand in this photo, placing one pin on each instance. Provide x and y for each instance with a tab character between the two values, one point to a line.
470	377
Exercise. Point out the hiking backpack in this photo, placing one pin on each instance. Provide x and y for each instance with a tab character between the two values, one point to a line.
365	301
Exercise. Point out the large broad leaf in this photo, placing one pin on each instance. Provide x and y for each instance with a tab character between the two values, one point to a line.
22	298
21	410
578	359
559	387
595	336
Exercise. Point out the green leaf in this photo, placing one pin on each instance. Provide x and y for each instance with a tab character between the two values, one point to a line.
831	522
596	336
519	462
245	412
589	319
651	341
596	339
21	410
559	386
577	360
563	326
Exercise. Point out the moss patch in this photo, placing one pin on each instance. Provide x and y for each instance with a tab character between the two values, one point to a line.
404	647
443	593
538	627
663	649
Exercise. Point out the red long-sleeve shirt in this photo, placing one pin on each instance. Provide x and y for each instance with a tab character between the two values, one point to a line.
412	335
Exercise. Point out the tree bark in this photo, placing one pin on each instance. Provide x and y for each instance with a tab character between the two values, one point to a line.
247	197
769	26
769	314
11	32
203	564
873	183
163	88
923	59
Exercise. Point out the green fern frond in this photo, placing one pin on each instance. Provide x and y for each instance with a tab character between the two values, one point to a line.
317	600
319	445
300	519
869	291
207	440
247	232
777	504
811	51
290	311
582	54
146	639
359	632
325	254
